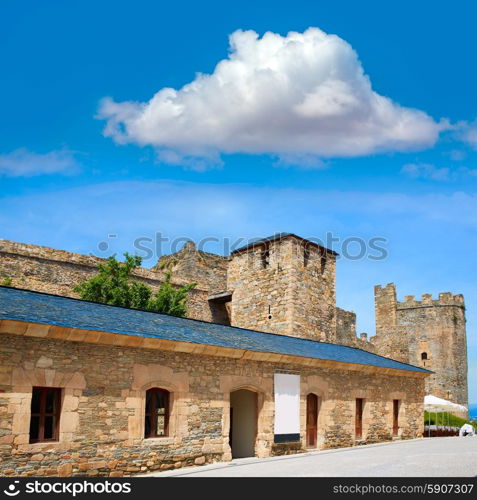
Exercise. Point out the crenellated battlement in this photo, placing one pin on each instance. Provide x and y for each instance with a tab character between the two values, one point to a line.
445	299
389	286
386	297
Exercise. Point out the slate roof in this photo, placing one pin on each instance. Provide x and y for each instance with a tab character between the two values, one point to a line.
280	236
35	307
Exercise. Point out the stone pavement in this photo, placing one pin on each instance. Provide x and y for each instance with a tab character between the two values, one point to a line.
434	457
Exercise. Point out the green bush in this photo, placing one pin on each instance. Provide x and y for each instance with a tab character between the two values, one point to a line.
445	418
113	285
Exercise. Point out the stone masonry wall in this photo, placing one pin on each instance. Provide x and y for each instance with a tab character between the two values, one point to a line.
48	270
345	327
435	327
192	265
103	390
346	331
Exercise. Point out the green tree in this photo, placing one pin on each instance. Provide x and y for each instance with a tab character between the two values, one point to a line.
170	299
114	285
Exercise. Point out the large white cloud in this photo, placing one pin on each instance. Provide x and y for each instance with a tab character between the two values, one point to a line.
24	163
293	96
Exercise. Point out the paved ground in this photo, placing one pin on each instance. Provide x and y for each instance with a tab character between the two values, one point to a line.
434	457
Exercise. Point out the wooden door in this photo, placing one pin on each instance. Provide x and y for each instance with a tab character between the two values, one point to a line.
311	420
395	417
231	426
359	418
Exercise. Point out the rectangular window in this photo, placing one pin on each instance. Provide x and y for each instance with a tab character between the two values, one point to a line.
395	417
45	414
359	418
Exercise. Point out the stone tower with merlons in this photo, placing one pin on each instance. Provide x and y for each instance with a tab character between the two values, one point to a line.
430	333
284	284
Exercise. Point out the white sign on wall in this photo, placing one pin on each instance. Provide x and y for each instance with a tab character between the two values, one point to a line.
287	407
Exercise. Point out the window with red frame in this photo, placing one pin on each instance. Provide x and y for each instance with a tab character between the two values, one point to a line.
45	414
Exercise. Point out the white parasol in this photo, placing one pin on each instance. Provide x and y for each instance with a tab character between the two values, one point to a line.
433	404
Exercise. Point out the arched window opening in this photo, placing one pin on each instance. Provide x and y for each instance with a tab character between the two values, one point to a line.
323	263
157	413
265	255
306	256
424	356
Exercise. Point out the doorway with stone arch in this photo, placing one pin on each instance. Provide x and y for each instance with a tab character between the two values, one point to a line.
243	423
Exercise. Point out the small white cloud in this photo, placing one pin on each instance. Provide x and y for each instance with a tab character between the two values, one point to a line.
301	95
197	163
457	155
431	172
304	161
468	133
469	172
24	163
425	171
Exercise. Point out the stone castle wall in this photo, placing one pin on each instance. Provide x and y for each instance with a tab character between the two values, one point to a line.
345	327
346	331
192	265
48	270
433	329
103	391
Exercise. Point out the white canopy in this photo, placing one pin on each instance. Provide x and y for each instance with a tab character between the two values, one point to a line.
435	404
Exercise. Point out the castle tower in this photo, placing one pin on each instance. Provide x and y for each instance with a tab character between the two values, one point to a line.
391	338
429	333
284	284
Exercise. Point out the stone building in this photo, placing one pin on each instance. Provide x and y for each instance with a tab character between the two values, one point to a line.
96	390
282	284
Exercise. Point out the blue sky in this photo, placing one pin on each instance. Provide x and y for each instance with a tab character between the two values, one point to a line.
247	170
